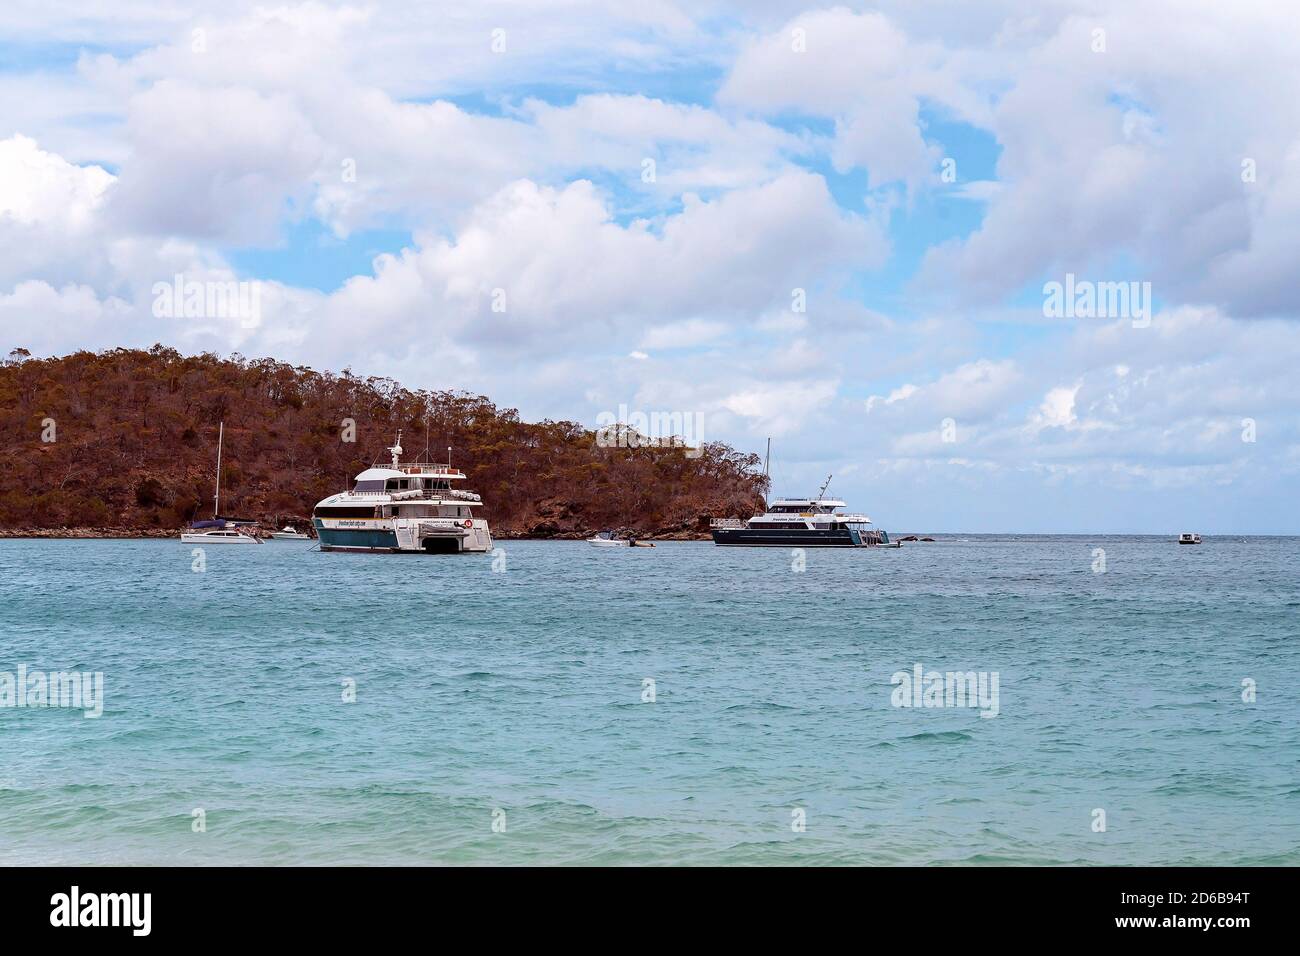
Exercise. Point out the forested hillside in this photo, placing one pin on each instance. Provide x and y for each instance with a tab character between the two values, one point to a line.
134	443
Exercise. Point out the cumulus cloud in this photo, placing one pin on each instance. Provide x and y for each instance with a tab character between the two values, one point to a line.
541	270
48	211
213	163
863	72
1168	155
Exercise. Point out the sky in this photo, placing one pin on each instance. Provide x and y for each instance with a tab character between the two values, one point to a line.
839	227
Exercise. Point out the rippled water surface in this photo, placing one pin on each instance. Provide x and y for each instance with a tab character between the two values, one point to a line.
515	695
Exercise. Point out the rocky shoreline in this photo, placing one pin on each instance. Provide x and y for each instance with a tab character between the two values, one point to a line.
88	533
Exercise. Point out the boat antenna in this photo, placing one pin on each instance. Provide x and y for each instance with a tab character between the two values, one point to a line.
216	498
767	460
396	450
426	434
824	486
449	458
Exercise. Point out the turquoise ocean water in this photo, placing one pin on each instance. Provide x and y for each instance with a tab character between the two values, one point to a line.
514	695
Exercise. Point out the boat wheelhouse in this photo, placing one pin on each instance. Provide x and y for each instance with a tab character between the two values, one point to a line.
801	523
403	507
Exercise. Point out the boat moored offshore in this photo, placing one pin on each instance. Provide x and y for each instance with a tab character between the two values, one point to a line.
606	539
289	533
221	533
403	507
219	530
802	523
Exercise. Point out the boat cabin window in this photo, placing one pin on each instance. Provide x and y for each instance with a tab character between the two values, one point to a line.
367	511
370	484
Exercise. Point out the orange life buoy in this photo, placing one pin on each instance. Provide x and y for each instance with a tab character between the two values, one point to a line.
468	523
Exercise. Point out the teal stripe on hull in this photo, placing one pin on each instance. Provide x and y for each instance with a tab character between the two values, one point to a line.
355	538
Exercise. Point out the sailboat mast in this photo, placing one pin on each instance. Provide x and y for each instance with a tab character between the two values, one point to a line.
216	499
768	459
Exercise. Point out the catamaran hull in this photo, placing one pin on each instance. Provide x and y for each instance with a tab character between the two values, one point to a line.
403	537
756	538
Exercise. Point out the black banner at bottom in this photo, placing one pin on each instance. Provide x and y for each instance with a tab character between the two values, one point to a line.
335	906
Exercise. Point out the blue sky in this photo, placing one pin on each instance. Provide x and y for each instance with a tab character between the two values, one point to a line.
460	199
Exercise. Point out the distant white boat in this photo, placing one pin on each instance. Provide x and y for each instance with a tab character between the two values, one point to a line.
289	534
1189	537
606	539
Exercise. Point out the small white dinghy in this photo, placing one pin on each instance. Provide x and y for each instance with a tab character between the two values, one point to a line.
606	539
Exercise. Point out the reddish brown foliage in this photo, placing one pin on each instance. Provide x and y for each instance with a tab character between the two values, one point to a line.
136	435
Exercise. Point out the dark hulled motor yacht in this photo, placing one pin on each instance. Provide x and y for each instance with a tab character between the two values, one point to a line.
801	523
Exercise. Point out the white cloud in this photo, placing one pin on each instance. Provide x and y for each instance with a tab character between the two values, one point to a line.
684	334
39	187
213	163
781	408
48	214
863	72
901	394
1057	409
1127	164
38	317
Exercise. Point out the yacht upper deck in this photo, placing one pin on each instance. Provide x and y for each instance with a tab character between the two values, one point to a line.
411	480
804	505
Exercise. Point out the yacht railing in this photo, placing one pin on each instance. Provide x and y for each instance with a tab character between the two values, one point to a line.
726	523
427	468
451	497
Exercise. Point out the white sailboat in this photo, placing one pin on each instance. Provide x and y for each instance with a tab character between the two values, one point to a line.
218	530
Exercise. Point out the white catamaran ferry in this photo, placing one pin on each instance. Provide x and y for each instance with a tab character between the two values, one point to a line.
405	507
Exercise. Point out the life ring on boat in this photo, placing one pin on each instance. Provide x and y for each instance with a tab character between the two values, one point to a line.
467	523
